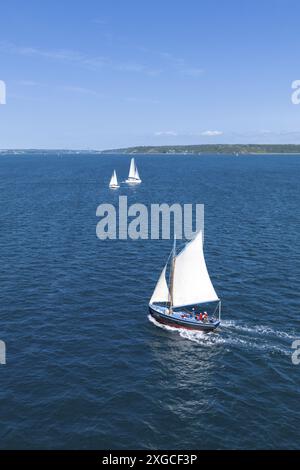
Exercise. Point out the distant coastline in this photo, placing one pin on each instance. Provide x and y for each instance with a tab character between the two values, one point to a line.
225	149
213	149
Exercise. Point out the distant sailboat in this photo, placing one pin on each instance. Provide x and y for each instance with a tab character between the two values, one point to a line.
114	181
133	176
182	303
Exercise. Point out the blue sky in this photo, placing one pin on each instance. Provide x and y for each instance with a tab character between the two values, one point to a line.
103	74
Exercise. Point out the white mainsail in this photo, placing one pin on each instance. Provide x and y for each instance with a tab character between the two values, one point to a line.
161	291
114	179
191	282
133	176
132	169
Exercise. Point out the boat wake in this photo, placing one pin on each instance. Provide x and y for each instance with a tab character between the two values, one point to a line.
233	333
258	330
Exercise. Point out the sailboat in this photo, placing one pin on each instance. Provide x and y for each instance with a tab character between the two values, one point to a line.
183	302
114	181
133	176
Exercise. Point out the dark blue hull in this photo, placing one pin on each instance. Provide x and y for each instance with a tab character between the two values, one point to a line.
177	322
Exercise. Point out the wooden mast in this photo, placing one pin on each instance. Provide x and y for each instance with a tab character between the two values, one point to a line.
172	277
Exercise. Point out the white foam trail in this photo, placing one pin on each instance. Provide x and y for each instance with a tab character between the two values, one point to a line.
258	329
160	325
233	339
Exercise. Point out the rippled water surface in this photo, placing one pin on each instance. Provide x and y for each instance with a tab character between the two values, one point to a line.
87	368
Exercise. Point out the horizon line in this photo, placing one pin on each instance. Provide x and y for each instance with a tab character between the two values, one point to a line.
171	146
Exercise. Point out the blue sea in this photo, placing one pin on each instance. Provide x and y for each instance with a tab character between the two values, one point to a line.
86	368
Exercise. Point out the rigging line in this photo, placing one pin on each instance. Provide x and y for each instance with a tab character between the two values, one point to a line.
215	309
166	302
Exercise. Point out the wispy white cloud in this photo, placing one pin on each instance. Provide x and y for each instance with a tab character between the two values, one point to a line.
30	83
176	61
166	133
78	58
82	91
133	99
69	88
135	67
181	65
100	21
167	60
211	133
193	72
61	54
173	133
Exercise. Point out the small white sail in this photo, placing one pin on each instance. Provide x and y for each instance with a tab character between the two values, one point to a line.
132	169
114	180
136	175
161	291
191	283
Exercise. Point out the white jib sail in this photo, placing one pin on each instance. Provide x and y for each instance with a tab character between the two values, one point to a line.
114	180
132	169
161	291
191	283
136	175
